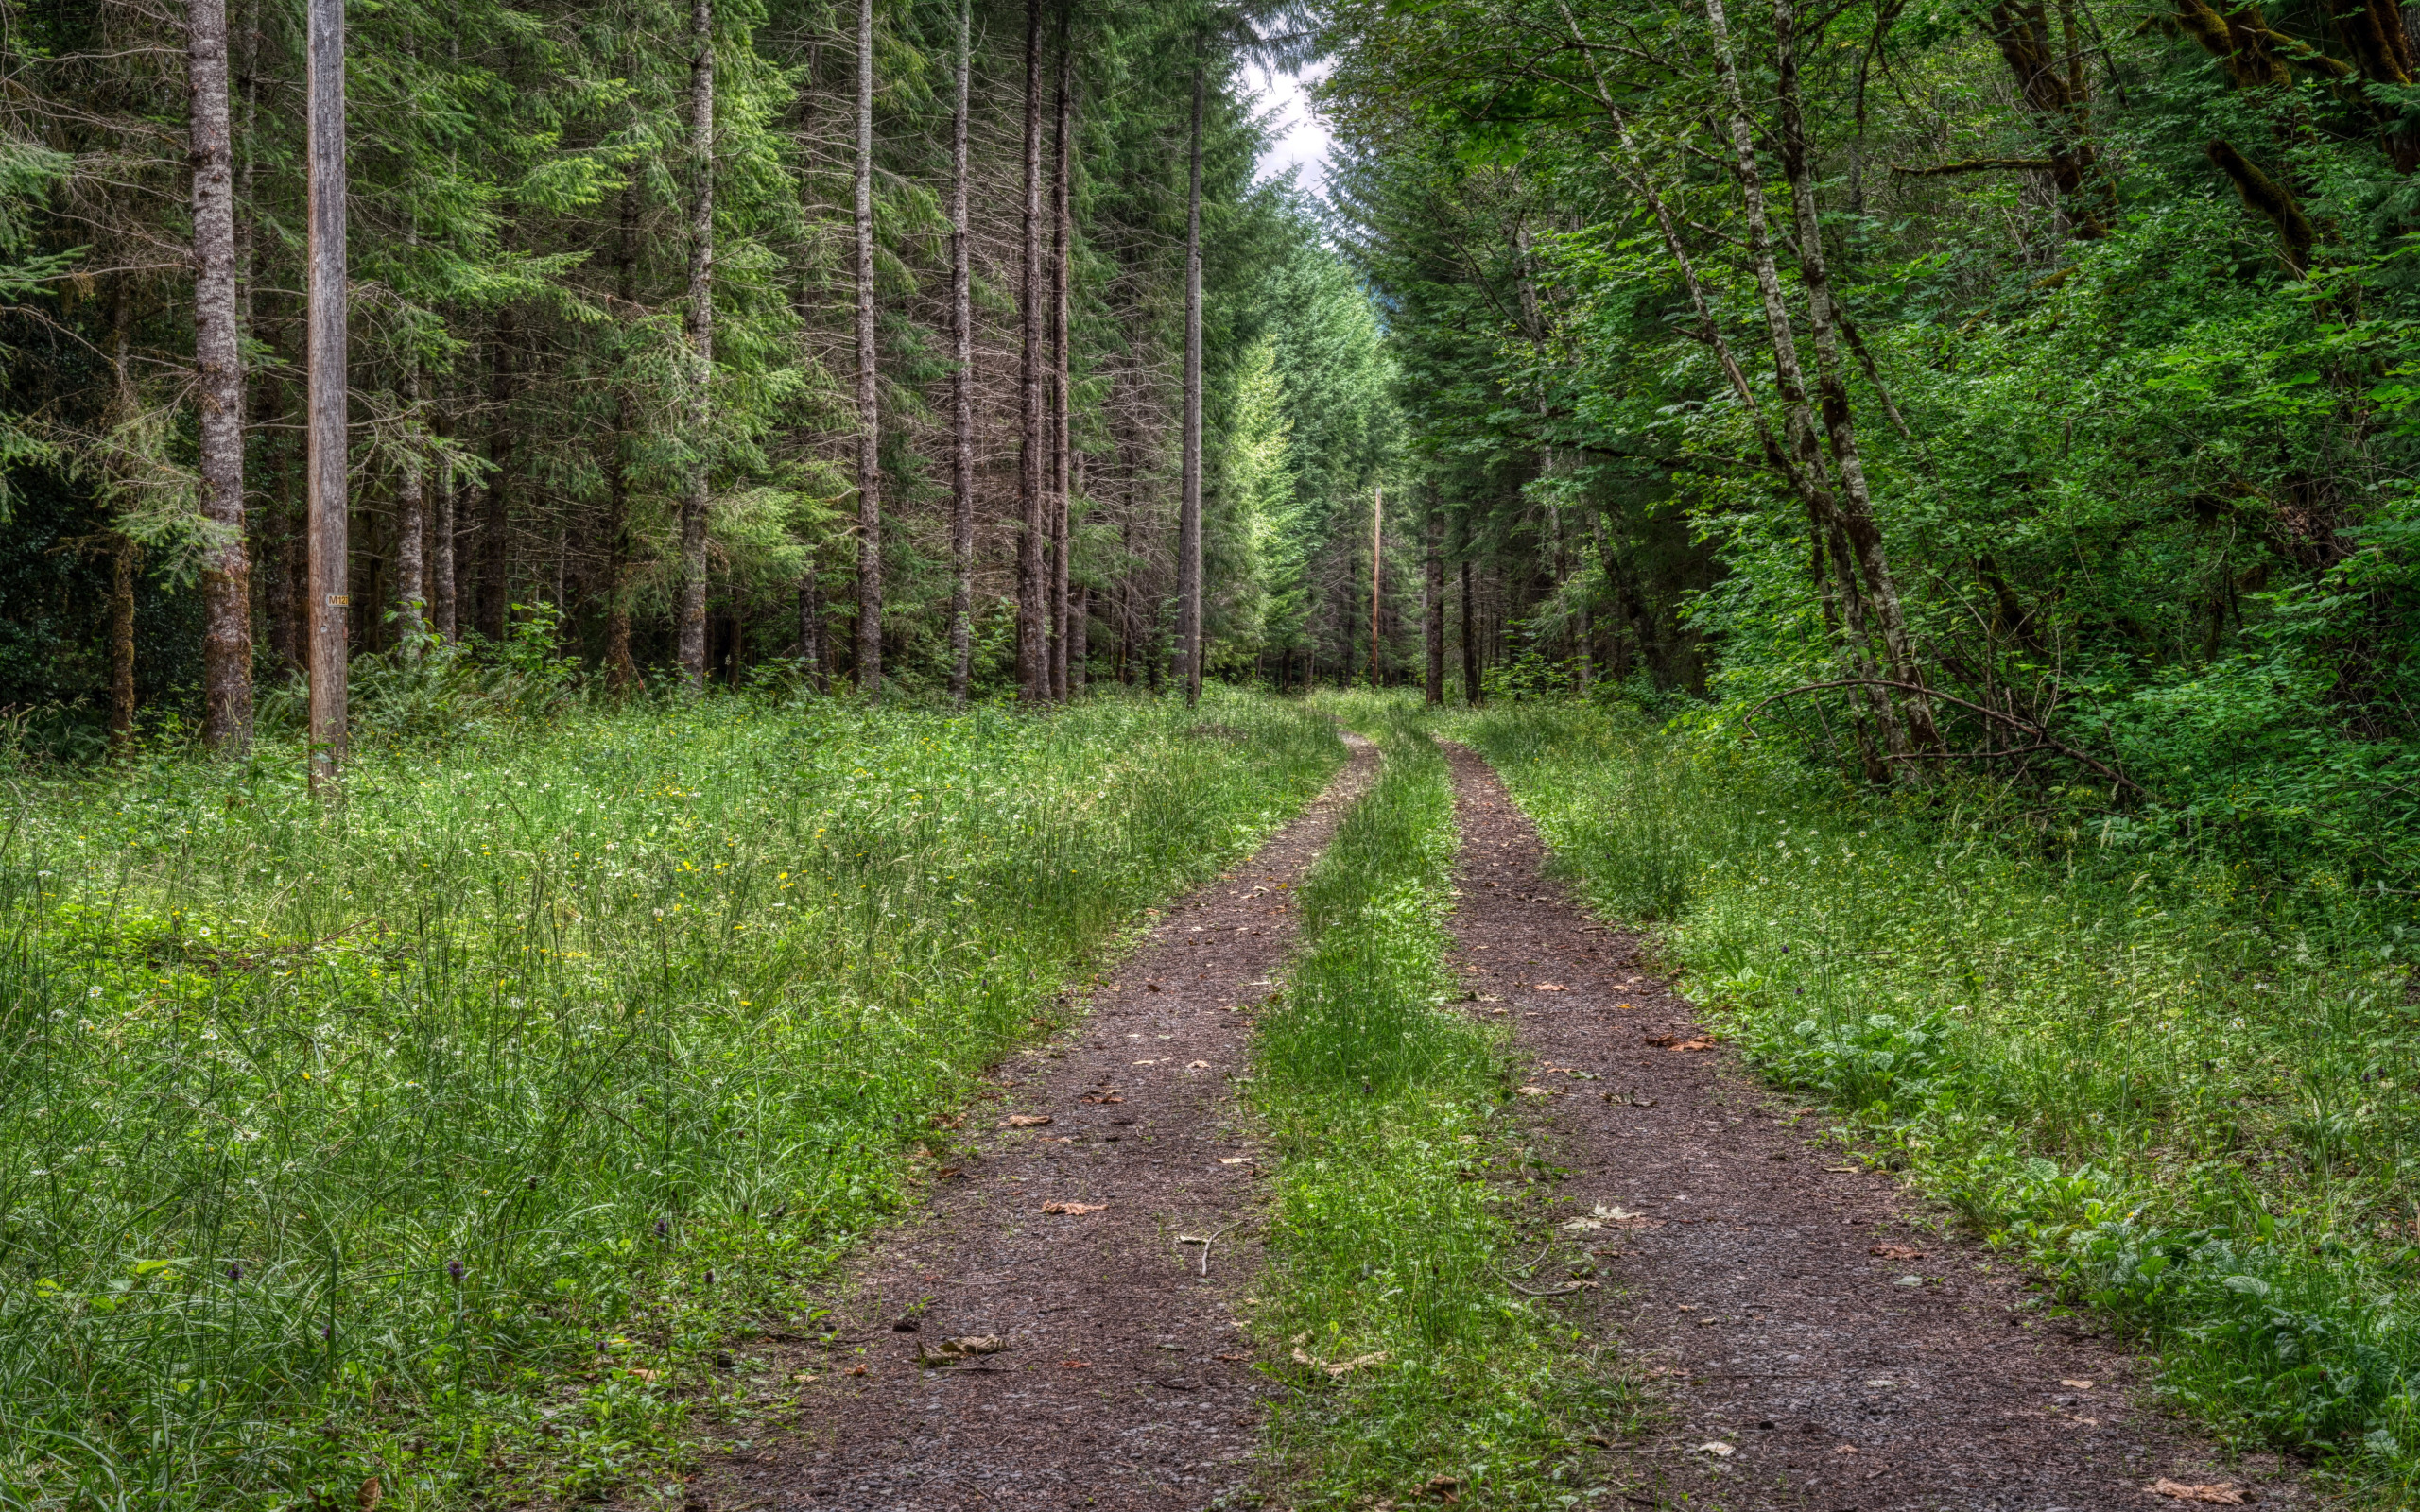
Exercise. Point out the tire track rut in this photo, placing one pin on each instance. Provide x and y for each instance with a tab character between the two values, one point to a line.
1807	1315
1126	1382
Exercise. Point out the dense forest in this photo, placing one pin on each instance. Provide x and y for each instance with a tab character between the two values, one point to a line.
2032	380
704	344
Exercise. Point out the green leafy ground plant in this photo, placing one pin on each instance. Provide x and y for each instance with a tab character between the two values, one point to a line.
2192	1105
1410	1359
442	1136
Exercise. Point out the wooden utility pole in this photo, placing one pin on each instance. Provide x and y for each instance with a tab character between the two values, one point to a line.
1377	554
324	432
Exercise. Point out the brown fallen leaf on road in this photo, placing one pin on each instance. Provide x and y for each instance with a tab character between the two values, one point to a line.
949	1172
1551	987
1075	1364
1110	1094
954	1121
1527	1091
1025	1120
2210	1495
1701	1042
1074	1209
1901	1252
1197	1065
2079	1385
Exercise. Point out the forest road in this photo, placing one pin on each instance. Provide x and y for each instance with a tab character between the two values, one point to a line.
1126	1380
1815	1341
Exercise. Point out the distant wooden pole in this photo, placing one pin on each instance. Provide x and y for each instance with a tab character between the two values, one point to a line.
325	409
1377	543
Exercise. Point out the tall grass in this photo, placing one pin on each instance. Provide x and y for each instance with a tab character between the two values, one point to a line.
440	1138
1389	1244
2190	1105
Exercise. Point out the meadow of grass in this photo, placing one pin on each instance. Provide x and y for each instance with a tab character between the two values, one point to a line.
1411	1355
2192	1104
440	1137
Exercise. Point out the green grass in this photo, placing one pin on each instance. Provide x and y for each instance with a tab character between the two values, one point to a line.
2190	1105
442	1138
1390	1244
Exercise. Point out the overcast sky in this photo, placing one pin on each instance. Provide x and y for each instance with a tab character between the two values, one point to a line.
1298	139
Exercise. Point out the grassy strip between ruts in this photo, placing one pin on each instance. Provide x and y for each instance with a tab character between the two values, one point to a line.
1411	1361
441	1139
2194	1109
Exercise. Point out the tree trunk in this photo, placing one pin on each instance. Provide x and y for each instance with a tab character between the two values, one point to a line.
1840	422
1033	669
443	600
495	563
1188	518
122	553
1060	336
961	391
1377	573
1434	605
621	671
869	379
1079	642
411	523
1806	466
324	287
1473	694
225	567
701	322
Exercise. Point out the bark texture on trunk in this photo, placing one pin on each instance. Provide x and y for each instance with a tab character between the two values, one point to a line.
701	322
1473	694
226	566
1377	570
961	388
1433	604
122	553
1839	422
1079	641
1061	228
868	384
1188	517
1805	465
1033	666
411	521
444	598
621	671
325	406
496	579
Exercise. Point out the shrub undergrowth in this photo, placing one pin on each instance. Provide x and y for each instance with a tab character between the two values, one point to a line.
2191	1103
1408	1355
440	1137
